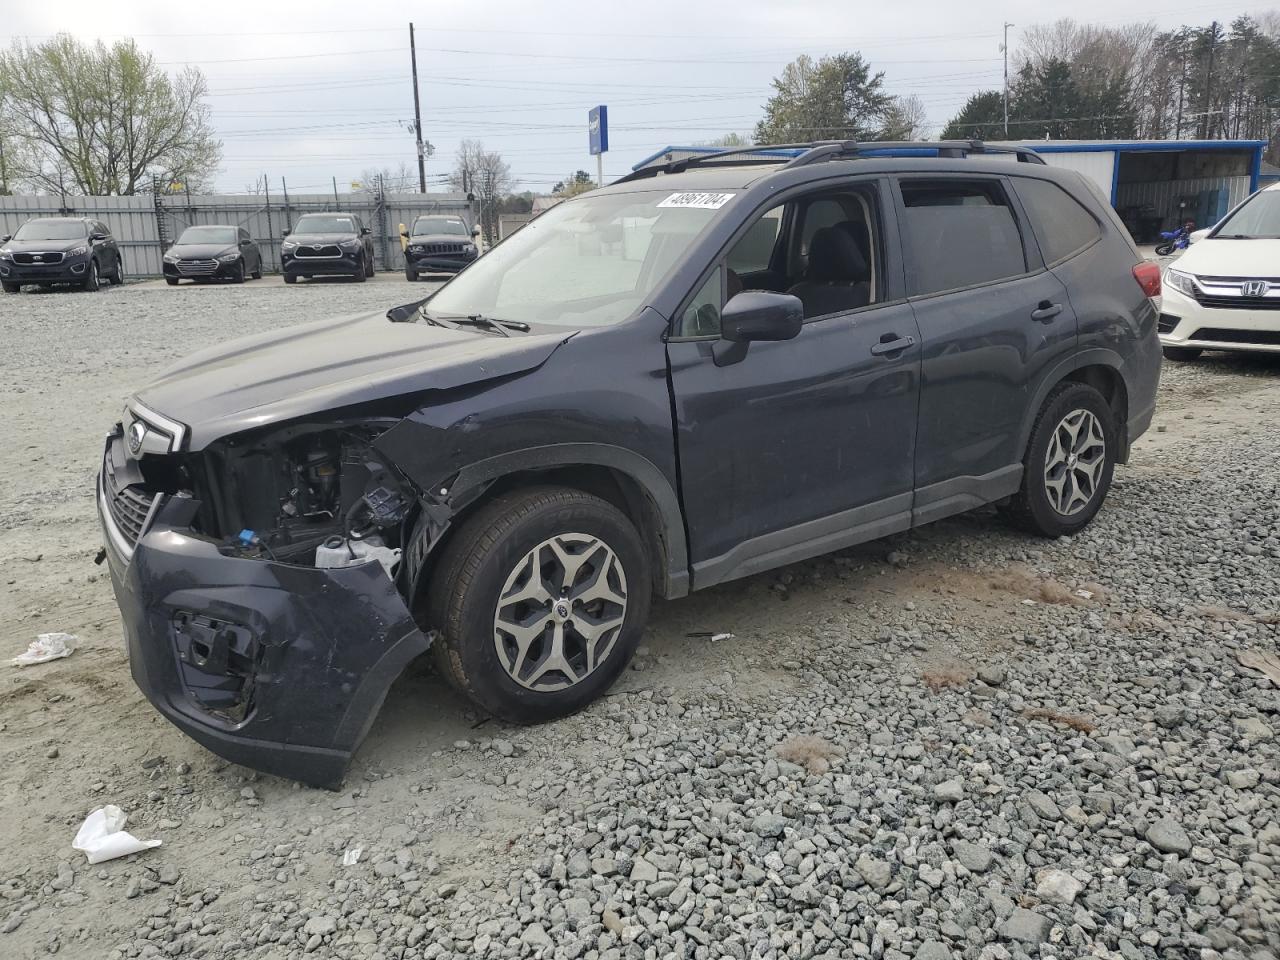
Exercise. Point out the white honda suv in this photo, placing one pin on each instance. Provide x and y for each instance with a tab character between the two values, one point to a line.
1224	292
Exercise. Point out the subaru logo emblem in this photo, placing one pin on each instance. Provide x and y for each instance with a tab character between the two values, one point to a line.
1255	288
137	434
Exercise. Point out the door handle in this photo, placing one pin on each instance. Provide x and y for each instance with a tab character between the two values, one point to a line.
891	343
1046	311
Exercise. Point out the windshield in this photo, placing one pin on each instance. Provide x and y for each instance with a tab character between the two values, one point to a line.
208	235
52	230
313	224
1259	217
425	226
586	262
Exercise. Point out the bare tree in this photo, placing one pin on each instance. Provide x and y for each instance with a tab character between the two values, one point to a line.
105	120
906	119
487	176
400	179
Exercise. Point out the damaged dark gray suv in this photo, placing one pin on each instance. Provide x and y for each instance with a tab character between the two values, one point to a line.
711	368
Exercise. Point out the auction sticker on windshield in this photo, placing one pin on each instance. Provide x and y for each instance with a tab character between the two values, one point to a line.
697	201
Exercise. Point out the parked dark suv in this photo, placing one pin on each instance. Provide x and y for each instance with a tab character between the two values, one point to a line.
51	250
438	244
701	372
325	245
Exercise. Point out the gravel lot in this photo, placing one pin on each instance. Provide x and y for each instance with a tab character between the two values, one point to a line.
960	743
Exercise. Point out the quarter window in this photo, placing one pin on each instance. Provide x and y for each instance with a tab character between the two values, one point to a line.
1062	225
961	233
754	252
701	318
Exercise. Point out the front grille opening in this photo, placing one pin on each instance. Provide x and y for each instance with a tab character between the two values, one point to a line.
1237	303
326	251
1270	338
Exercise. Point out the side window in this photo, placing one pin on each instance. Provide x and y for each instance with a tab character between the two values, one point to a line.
1062	225
961	233
754	252
823	212
701	318
244	235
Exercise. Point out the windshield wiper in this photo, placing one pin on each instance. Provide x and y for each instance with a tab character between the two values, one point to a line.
489	323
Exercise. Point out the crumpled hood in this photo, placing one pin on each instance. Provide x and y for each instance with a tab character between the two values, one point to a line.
1231	258
329	364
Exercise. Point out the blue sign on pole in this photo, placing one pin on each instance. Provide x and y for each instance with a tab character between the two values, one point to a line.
598	127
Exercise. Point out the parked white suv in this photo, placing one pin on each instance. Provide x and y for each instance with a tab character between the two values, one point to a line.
1224	292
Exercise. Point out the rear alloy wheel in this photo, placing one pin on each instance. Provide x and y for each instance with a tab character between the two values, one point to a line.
540	601
1069	463
1182	354
91	281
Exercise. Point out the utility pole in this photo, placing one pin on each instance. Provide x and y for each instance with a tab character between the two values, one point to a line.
1206	120
417	116
1005	49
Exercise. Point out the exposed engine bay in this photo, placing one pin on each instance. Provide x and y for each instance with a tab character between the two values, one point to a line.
313	495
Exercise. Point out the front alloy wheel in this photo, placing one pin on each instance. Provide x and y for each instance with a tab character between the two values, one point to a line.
560	612
539	600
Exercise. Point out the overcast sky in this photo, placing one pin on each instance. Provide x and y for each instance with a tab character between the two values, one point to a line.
326	93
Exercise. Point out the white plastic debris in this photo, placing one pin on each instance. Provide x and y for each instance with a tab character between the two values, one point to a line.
717	637
1084	594
47	646
102	836
352	856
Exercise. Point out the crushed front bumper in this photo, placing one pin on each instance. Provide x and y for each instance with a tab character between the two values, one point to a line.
278	667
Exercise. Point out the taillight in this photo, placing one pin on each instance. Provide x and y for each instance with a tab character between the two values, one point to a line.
1147	273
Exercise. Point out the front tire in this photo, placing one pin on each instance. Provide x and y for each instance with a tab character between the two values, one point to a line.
411	275
238	276
1164	249
11	287
257	273
1069	463
171	281
539	600
91	281
1182	354
290	278
362	273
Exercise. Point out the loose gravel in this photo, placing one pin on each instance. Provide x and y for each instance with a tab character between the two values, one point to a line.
963	743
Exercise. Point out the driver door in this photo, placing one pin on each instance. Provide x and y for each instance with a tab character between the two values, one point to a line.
795	448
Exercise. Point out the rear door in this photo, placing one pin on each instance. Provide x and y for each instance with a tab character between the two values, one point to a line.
992	320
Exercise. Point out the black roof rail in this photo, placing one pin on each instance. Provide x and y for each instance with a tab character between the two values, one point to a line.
822	150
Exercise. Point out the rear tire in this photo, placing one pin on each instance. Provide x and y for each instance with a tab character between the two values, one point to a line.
1069	463
1182	354
117	278
368	267
517	546
257	274
11	287
1164	249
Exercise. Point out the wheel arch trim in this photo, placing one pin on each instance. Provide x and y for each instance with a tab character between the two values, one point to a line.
1092	357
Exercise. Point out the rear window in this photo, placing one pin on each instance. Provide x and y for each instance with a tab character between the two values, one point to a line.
961	233
1062	225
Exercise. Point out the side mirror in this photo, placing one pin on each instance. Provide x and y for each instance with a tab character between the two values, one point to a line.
6	238
97	237
761	315
475	231
285	232
365	231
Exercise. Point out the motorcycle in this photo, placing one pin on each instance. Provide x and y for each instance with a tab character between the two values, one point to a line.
1173	240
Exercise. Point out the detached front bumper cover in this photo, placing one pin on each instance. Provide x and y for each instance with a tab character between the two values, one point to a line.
278	667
